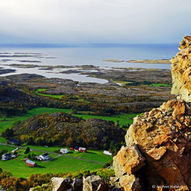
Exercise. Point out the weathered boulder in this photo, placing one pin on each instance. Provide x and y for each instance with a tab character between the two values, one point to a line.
77	184
91	183
61	184
128	160
163	137
114	182
130	183
181	71
56	183
157	155
103	187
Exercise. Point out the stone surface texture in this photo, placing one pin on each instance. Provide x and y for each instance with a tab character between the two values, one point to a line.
157	154
181	71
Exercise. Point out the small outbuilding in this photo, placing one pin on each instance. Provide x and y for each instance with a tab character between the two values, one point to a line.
7	156
43	157
82	149
30	163
107	153
64	151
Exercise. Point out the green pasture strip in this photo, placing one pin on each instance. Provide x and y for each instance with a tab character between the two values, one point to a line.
123	119
59	164
8	122
160	85
89	155
39	92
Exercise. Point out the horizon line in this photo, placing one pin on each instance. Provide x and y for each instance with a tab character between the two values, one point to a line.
79	44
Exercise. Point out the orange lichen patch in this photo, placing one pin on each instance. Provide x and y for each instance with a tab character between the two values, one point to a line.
130	183
130	159
179	109
157	153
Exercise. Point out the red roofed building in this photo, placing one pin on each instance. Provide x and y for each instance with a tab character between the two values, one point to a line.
30	163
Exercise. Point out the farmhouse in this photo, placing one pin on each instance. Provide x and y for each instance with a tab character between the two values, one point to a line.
82	149
43	157
7	156
30	163
64	151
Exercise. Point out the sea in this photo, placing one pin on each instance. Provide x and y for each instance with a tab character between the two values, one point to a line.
71	57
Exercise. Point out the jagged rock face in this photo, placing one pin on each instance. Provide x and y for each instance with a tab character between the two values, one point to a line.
90	183
56	183
130	160
181	71
158	149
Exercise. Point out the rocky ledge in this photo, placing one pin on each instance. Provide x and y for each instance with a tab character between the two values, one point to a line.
157	155
181	71
157	151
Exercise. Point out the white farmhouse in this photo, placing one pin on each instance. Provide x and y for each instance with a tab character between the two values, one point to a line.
64	151
43	157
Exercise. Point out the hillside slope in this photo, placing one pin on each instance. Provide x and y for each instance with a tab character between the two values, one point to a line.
67	130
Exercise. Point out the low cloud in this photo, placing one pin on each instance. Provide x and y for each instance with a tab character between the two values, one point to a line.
124	21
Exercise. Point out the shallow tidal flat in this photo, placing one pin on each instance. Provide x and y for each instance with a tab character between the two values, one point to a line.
103	71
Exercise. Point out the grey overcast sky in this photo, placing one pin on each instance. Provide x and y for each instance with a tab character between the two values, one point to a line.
108	21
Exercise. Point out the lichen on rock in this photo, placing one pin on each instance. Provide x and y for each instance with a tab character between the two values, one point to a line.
157	155
181	71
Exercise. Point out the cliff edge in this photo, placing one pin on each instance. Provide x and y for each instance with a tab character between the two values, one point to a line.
157	155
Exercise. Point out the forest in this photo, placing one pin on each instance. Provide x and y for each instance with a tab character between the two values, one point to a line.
61	129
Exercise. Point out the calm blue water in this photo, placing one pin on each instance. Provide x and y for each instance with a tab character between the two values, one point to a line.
88	55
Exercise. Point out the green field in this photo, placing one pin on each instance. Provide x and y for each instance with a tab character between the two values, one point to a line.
39	92
60	164
8	122
160	85
123	119
89	155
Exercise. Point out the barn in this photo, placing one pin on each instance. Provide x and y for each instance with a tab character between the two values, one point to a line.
30	163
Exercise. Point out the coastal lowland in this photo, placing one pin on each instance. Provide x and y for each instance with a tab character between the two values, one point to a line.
41	116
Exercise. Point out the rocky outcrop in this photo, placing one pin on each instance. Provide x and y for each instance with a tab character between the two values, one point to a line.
89	183
59	184
157	155
181	71
158	150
